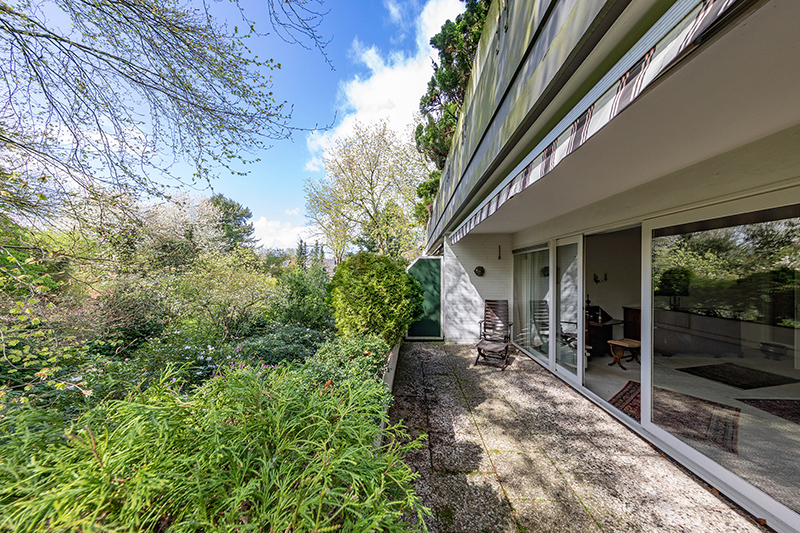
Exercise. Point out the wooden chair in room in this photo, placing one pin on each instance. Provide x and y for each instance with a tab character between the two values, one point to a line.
495	334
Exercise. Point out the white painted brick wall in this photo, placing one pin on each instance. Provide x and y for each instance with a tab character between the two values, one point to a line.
464	291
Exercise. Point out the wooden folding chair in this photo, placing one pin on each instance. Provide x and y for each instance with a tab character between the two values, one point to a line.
495	334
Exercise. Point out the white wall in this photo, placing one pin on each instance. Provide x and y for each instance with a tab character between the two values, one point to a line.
616	258
464	291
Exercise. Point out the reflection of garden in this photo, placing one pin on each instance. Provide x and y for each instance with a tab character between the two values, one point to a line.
725	338
747	273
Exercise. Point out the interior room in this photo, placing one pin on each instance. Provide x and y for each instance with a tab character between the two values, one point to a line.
613	291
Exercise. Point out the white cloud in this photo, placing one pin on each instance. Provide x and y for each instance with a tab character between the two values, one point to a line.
395	11
295	211
394	84
285	235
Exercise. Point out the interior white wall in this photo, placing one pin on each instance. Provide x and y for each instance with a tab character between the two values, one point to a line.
465	291
616	259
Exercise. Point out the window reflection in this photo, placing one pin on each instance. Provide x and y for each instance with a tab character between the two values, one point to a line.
568	302
532	302
726	369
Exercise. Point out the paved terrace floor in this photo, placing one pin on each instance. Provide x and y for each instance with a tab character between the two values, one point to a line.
519	450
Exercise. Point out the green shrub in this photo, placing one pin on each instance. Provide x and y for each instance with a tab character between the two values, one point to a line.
250	451
131	311
341	359
221	296
306	291
373	294
281	342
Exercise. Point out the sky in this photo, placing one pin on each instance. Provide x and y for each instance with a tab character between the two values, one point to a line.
381	56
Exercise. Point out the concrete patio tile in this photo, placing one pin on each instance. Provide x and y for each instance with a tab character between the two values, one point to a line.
436	384
468	503
545	421
459	452
411	409
575	454
491	409
622	441
438	365
526	395
621	508
524	435
446	415
408	386
506	436
670	485
408	379
529	367
530	475
419	460
608	486
478	389
552	516
506	382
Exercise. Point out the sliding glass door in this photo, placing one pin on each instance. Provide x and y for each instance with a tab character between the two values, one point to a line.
532	302
568	304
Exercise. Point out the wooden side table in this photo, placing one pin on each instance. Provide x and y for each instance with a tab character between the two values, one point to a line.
631	345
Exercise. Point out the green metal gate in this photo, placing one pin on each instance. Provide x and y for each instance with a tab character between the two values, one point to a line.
428	271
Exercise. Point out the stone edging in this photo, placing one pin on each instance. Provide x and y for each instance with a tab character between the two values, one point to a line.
388	378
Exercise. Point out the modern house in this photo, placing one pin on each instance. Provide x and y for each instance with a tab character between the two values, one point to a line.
630	169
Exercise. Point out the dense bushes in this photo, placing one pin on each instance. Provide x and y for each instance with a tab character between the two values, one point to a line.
374	294
221	295
280	342
344	358
251	450
306	291
265	421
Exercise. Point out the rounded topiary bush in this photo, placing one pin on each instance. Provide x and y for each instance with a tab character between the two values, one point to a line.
373	293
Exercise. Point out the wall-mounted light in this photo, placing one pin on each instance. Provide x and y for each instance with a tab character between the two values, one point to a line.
479	271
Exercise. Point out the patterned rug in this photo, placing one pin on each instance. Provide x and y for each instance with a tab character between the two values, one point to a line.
786	409
684	416
738	376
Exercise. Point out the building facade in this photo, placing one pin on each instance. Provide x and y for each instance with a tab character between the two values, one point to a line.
630	169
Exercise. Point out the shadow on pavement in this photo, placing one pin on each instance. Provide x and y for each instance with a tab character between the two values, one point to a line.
519	450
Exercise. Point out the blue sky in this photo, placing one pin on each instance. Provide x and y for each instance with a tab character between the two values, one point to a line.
382	61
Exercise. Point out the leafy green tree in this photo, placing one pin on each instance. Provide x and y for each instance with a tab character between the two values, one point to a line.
440	106
426	192
175	233
221	295
234	222
306	292
301	254
318	253
368	191
103	99
457	43
387	233
112	93
273	261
